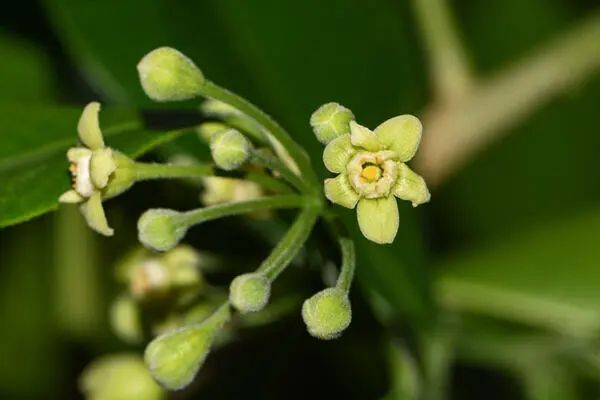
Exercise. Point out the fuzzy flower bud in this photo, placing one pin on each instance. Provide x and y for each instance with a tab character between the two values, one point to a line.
168	75
119	377
249	292
125	320
175	357
229	149
159	229
327	313
330	121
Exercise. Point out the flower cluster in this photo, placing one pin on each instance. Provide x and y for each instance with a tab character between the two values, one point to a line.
256	168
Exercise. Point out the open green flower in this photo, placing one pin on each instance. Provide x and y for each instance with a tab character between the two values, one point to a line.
372	170
94	170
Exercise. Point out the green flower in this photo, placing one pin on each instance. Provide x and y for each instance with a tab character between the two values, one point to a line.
372	170
99	172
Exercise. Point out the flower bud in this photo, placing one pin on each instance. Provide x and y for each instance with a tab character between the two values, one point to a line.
159	230
168	75
327	313
229	149
125	320
249	292
330	121
208	129
119	377
175	357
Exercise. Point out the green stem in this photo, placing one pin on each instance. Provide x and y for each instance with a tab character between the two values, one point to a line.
297	153
290	244
146	171
348	264
205	214
218	318
273	163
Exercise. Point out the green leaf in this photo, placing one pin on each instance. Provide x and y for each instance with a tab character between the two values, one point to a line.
33	144
546	277
25	71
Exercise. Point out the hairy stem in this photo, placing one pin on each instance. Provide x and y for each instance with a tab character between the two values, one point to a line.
205	214
295	151
146	171
289	246
273	163
348	264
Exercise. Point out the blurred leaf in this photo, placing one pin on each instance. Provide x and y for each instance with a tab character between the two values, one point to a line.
31	362
545	277
25	72
33	144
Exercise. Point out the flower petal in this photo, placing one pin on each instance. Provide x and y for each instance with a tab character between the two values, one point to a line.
102	165
402	135
70	196
89	128
76	153
337	154
363	137
339	191
378	219
93	212
411	186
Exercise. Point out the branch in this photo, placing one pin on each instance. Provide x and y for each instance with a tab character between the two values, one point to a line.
449	67
456	131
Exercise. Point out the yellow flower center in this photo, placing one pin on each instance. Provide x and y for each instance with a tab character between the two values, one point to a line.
371	173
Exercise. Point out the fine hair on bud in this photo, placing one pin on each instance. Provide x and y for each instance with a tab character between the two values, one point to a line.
168	75
330	121
250	292
229	149
175	357
327	314
159	230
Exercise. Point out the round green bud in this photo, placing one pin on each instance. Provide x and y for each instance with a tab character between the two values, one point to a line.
168	75
175	357
327	313
207	130
119	377
330	121
125	319
249	292
159	229
229	149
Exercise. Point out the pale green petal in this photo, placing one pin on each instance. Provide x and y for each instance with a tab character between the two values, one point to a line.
411	186
339	191
93	212
89	127
70	196
102	165
378	219
363	137
76	153
337	154
402	135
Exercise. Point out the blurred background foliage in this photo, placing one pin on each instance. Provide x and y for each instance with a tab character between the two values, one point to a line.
490	291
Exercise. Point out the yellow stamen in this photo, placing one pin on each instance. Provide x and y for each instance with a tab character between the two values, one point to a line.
371	173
